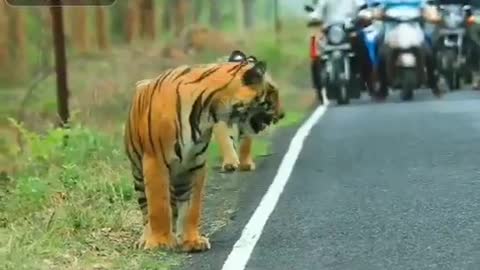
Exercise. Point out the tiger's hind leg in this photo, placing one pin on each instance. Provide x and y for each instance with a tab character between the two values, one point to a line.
246	159
225	140
189	213
158	229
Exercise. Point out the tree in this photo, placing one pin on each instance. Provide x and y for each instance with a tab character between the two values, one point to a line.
147	19
101	19
60	62
132	24
167	17
238	8
215	15
13	42
79	28
4	26
181	10
249	13
19	42
276	15
197	10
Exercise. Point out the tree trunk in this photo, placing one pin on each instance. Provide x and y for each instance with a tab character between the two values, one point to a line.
239	18
102	24
20	43
79	29
197	10
132	24
276	15
60	63
147	18
249	13
215	14
181	8
4	38
168	11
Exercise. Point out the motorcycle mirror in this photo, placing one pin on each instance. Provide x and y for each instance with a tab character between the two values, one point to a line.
362	7
308	8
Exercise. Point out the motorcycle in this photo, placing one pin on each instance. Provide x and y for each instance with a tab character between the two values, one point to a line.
335	72
404	59
340	82
451	50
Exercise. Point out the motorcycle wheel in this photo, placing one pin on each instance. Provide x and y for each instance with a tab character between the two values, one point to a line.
451	75
342	95
453	80
409	78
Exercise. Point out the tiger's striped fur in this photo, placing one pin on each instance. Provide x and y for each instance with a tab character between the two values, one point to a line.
167	134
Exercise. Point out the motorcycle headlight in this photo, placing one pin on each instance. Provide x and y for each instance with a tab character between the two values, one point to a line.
336	34
453	21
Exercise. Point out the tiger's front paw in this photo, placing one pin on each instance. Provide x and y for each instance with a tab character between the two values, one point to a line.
247	166
197	244
151	241
230	166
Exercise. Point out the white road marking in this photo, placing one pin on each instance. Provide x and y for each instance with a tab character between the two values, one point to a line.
240	254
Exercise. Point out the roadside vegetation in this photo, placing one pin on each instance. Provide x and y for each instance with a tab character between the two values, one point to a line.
72	205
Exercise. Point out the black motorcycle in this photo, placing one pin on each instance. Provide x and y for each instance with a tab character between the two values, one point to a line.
451	45
337	53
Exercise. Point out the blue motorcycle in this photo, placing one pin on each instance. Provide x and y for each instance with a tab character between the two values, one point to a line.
368	32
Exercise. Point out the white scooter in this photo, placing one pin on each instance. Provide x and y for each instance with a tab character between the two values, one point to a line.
404	52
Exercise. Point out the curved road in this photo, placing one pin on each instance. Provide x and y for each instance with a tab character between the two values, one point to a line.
376	186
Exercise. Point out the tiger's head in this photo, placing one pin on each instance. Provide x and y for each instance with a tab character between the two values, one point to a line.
256	101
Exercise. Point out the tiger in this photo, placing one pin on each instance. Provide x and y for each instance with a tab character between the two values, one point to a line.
167	133
226	137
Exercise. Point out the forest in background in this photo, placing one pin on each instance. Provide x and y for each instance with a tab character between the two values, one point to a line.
73	206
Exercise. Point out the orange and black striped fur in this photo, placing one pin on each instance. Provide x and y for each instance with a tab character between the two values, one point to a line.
167	134
227	137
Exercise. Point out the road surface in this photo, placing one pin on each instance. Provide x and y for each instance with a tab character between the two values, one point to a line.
376	186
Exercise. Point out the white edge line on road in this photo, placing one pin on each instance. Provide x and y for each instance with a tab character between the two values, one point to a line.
241	251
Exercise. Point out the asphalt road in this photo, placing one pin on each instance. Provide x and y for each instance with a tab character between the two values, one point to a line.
377	186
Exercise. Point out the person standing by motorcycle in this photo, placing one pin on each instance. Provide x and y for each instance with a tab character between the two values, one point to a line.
324	13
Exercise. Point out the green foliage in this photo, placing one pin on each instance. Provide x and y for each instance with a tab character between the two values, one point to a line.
292	118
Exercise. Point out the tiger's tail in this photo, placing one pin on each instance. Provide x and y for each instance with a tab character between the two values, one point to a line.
135	156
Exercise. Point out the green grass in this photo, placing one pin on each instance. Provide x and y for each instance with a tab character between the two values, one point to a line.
291	119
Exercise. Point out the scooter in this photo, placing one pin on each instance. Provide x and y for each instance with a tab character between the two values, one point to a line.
404	58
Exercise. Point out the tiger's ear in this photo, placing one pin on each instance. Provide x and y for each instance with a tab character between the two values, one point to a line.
252	59
237	56
255	74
